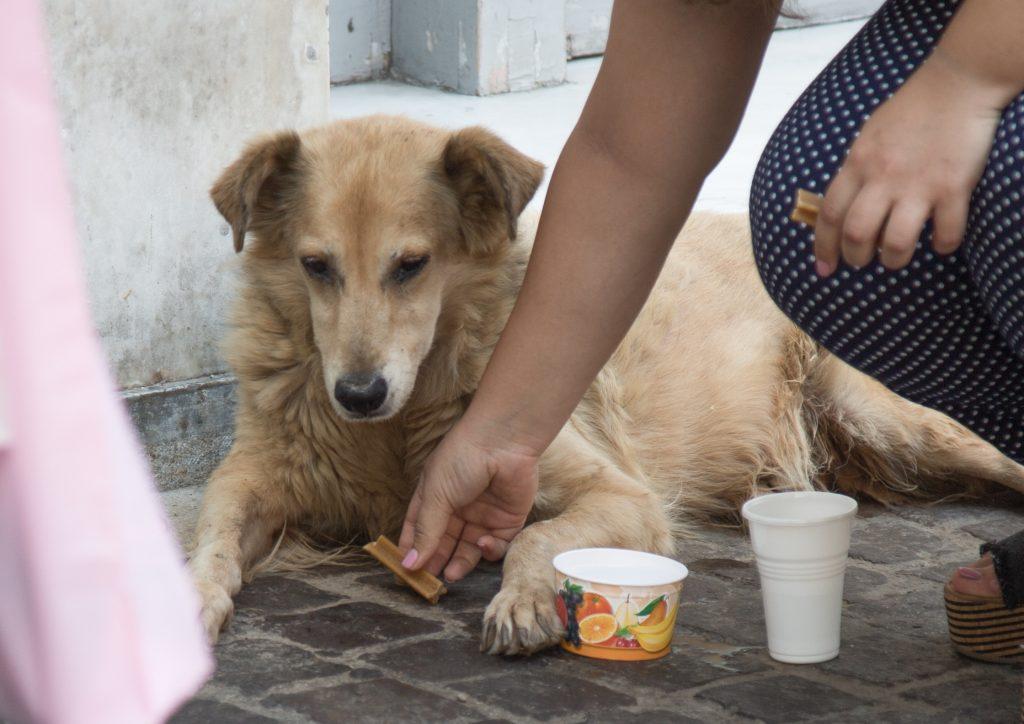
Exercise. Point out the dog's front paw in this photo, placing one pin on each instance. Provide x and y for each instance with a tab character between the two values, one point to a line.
217	608
521	620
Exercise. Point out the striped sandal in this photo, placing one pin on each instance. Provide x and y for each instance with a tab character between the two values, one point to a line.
991	628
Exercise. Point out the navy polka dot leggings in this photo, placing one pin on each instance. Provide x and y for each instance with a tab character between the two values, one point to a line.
945	332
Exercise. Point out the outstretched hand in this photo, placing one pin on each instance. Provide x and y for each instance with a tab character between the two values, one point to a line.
473	497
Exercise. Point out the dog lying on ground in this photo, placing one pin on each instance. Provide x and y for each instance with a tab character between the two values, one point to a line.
383	258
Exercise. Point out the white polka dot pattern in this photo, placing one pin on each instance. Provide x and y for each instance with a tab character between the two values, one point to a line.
946	332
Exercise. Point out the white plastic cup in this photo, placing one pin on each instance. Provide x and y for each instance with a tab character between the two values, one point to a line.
801	541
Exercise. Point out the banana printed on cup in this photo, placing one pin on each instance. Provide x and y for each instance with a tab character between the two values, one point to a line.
617	604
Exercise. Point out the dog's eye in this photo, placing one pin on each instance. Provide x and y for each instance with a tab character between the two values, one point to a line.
408	268
316	267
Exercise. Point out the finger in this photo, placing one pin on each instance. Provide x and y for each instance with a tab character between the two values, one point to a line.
863	224
902	230
950	223
428	526
492	548
446	546
405	541
841	193
463	561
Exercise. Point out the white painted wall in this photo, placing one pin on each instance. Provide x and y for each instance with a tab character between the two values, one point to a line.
586	26
156	98
520	45
360	39
479	47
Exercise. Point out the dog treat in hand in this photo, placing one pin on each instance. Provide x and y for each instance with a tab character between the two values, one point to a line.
420	581
808	204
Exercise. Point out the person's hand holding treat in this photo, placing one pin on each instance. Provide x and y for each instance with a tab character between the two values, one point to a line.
479	493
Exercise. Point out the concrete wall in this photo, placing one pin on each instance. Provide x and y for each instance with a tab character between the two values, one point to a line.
479	47
156	98
360	40
586	26
433	42
520	45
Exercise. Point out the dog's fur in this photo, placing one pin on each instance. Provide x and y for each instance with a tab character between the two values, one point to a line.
712	396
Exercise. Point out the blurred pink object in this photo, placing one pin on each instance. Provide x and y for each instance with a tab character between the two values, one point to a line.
98	620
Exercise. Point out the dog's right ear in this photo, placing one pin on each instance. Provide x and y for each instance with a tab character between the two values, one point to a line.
492	181
254	190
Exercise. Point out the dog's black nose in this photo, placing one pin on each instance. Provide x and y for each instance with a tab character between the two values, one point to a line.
362	393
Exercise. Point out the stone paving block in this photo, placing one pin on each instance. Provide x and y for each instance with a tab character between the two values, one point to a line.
543	696
470	622
882	715
939	514
474	591
253	665
348	625
379	700
655	716
450	659
916	613
695	660
270	594
202	711
715	542
782	698
935	572
877	656
861	582
726	568
991	695
885	539
730	610
688	666
995	525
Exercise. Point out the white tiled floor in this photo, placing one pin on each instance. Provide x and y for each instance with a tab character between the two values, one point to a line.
538	122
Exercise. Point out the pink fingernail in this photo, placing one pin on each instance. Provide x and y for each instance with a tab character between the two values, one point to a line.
822	268
410	558
971	573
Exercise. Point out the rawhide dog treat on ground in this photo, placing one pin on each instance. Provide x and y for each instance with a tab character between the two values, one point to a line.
423	582
807	207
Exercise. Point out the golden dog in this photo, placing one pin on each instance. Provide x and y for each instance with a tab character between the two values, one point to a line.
383	259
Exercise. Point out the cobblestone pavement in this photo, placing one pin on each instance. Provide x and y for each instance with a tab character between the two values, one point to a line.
348	645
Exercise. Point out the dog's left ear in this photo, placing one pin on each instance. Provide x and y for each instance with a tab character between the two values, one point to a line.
252	192
493	183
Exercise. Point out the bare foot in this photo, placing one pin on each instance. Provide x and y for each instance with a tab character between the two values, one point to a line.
977	579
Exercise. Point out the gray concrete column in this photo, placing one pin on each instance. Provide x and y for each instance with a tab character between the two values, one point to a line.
360	40
586	26
479	47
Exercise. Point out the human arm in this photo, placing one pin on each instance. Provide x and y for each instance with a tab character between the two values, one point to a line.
923	151
672	87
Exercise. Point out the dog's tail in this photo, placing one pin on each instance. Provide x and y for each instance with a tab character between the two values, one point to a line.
298	550
871	441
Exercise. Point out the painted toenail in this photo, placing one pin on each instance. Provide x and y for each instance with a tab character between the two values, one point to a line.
972	573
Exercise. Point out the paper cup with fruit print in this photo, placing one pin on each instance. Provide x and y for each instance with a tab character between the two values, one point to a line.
617	604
